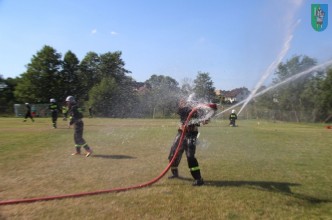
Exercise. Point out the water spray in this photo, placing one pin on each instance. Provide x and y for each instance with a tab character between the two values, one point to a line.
296	76
268	71
272	66
212	108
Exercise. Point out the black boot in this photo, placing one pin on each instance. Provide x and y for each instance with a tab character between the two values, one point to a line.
198	182
175	173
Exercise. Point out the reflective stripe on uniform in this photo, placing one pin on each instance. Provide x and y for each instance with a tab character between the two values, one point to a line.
194	168
81	145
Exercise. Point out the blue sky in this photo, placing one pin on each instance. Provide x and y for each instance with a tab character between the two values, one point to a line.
234	41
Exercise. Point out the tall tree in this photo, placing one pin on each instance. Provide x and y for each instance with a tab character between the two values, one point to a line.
326	97
289	95
90	74
70	80
112	65
102	97
108	69
311	97
163	95
7	99
204	88
41	81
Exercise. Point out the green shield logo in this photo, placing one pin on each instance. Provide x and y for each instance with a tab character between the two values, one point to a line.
319	16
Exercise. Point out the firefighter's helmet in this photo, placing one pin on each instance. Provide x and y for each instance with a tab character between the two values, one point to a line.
70	99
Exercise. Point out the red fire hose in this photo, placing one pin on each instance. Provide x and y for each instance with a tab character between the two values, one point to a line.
17	201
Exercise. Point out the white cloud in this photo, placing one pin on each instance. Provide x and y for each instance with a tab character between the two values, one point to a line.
114	33
94	31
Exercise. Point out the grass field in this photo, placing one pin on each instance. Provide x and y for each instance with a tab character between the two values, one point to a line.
259	170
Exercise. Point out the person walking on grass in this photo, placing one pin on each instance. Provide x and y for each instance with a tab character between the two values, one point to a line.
28	113
76	116
90	112
54	108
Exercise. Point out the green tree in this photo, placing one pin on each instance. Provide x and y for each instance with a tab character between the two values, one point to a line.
89	74
70	79
102	97
112	65
204	88
41	81
94	68
326	97
163	95
7	99
297	95
104	70
311	97
111	99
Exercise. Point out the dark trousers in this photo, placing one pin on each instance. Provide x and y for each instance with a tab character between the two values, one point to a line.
54	118
78	133
28	115
189	147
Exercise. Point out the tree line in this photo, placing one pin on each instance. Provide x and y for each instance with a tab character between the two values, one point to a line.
103	82
100	81
307	97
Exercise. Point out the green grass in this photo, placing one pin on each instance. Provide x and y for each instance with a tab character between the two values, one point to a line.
259	170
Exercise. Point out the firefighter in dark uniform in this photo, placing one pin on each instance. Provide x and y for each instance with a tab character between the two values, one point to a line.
76	116
188	144
232	119
28	113
54	108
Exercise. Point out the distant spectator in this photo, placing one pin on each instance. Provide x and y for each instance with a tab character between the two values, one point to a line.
53	107
90	112
232	119
28	113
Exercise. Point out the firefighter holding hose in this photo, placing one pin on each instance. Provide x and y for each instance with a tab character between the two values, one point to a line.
76	120
189	142
232	118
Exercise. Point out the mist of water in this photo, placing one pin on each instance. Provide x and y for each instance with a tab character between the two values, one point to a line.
204	113
273	66
268	72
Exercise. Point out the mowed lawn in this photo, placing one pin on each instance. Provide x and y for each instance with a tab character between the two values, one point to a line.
259	170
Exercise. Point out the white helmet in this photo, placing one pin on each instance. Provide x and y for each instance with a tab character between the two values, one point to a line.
26	103
70	99
52	100
233	111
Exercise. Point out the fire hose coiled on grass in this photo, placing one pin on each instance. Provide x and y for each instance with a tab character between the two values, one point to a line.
156	179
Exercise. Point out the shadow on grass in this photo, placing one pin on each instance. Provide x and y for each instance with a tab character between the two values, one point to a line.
112	156
277	187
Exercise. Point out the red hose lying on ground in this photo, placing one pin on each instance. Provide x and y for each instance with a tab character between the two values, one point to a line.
17	201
